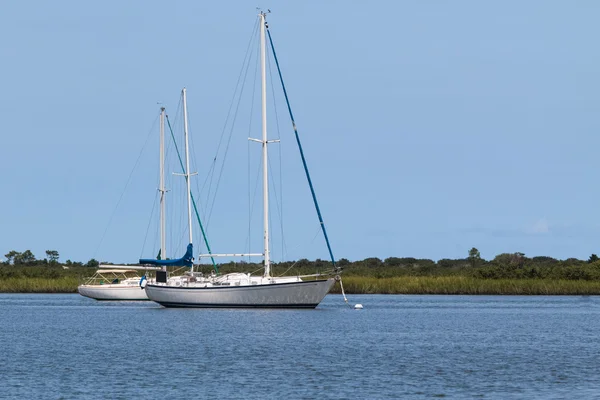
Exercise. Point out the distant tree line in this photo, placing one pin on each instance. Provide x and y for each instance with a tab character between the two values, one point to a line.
27	258
504	266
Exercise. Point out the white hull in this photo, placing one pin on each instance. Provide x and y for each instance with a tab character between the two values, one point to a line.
302	294
113	292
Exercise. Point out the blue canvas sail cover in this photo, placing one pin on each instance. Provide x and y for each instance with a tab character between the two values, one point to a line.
185	261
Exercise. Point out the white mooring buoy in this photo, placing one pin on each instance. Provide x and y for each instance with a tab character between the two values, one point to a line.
357	306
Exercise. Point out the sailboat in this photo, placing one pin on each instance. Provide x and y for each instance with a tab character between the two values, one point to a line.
123	282
114	282
243	289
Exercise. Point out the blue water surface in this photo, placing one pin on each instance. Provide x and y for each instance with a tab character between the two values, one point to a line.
489	347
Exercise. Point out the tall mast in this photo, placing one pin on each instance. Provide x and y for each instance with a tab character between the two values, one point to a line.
187	163
161	189
263	75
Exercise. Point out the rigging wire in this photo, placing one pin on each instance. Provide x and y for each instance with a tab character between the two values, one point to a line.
193	164
156	232
176	245
195	167
257	180
232	125
193	200
252	35
312	190
126	185
279	212
210	175
305	245
148	227
250	204
169	212
248	239
280	147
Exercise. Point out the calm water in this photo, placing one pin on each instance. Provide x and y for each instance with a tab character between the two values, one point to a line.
70	347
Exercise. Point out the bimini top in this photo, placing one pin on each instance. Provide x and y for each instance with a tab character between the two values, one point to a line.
115	271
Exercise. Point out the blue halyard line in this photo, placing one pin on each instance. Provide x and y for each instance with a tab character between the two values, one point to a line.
193	200
312	190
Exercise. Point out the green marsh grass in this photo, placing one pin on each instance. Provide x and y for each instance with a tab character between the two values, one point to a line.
466	285
583	281
67	284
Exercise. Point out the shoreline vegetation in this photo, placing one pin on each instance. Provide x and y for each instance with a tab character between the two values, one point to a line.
441	285
461	285
506	274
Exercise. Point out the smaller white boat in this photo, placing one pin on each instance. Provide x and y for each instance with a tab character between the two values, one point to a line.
123	282
114	284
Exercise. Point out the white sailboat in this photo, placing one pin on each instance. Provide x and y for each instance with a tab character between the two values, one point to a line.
243	289
114	282
122	282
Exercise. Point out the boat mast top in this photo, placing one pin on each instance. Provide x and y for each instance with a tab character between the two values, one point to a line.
187	163
161	188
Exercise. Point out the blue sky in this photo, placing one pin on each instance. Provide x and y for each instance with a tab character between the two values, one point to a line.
430	127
